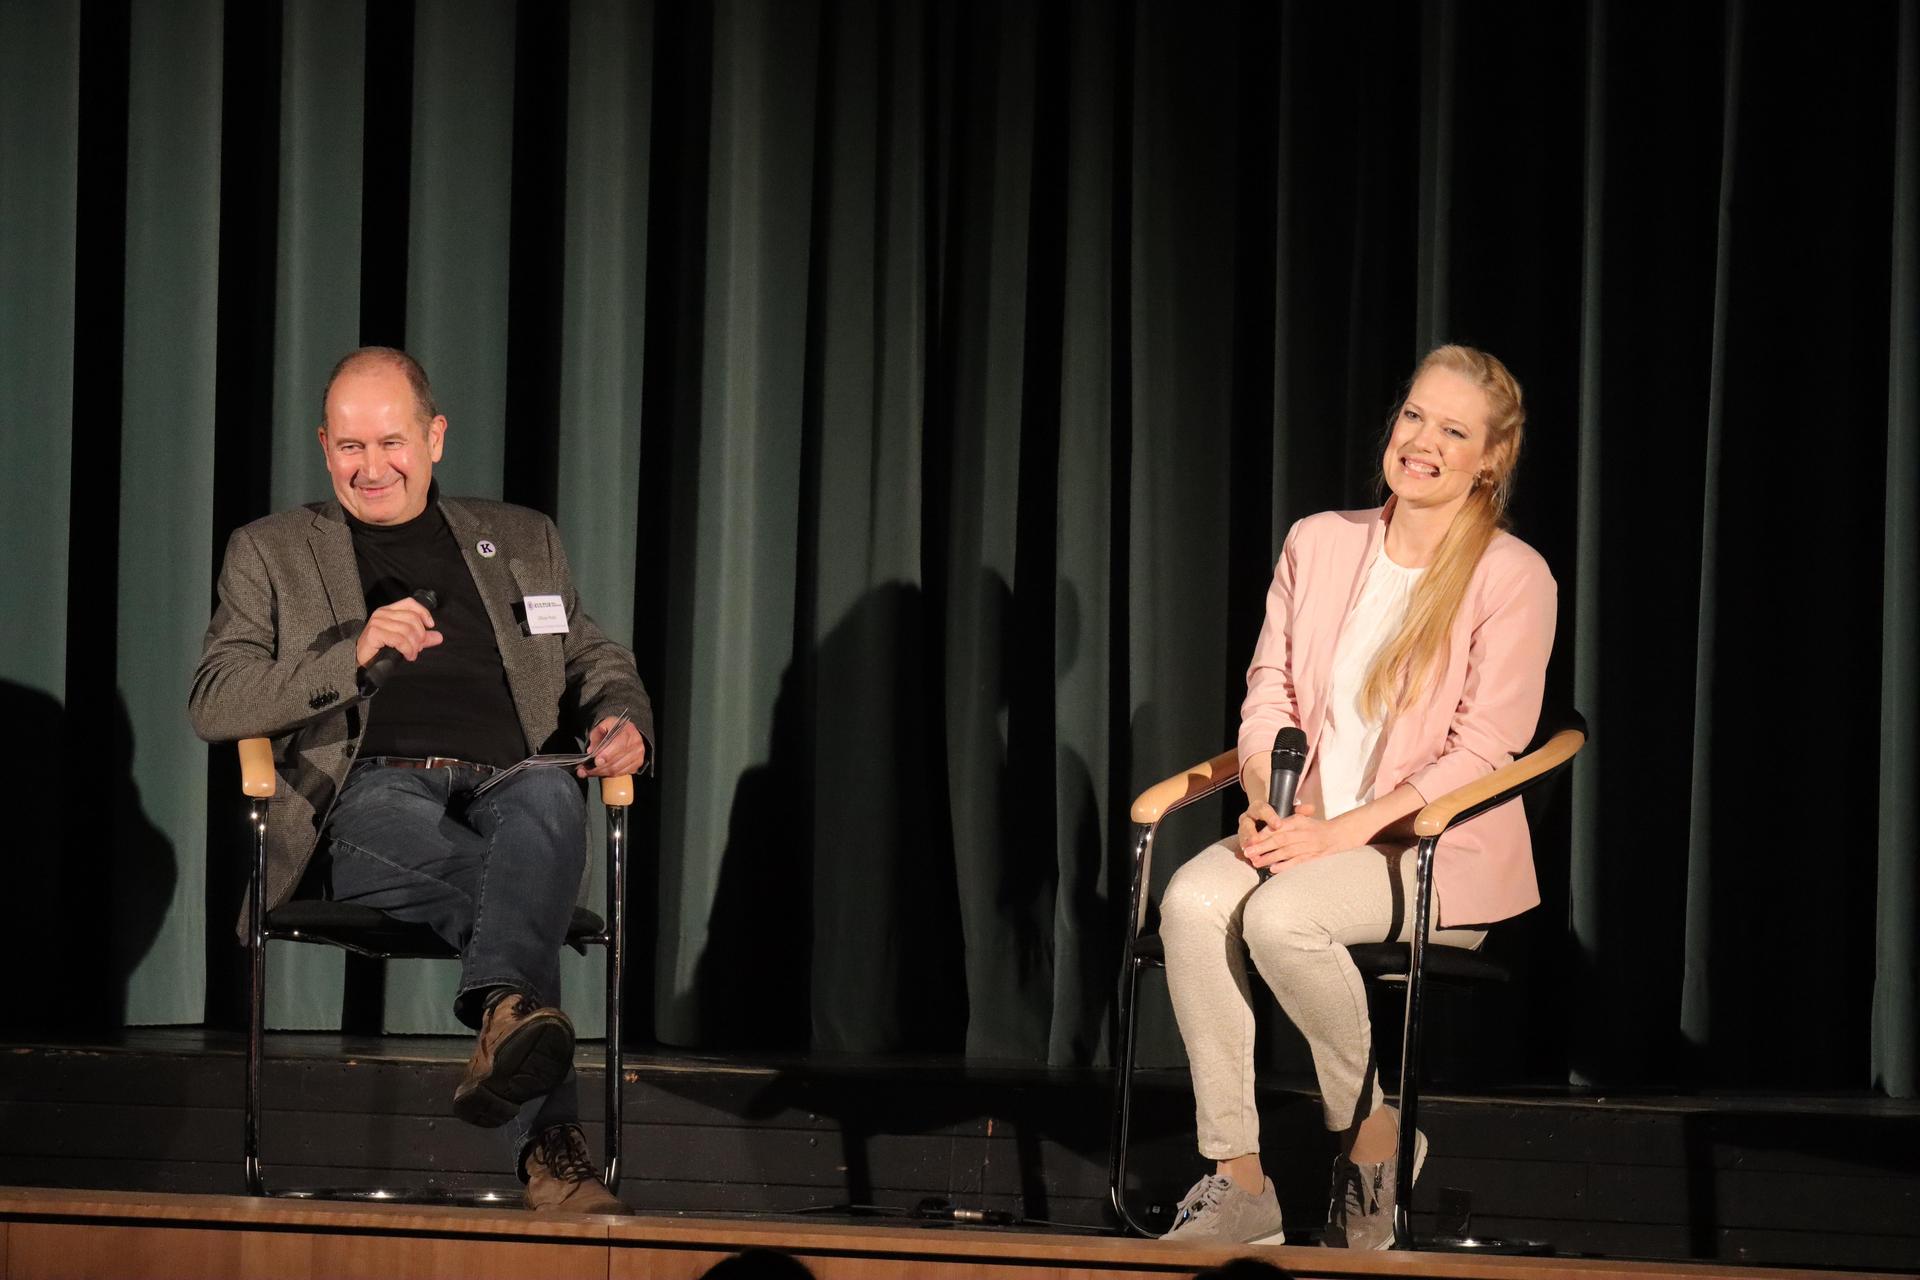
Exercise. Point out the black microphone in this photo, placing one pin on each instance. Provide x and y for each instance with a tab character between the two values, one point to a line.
388	659
938	1210
1289	758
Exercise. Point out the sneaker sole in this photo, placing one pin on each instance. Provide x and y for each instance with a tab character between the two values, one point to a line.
528	1063
1272	1237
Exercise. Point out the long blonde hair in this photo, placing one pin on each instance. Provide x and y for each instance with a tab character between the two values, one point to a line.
1409	662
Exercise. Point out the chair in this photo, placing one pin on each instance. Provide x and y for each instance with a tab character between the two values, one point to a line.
1413	963
368	932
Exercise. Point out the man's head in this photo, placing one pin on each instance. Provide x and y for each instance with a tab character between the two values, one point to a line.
381	435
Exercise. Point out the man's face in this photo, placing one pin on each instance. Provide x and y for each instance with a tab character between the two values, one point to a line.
378	453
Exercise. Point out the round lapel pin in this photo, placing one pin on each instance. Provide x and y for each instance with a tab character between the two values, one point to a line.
485	548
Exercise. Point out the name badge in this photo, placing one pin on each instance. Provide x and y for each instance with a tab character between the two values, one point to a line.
546	615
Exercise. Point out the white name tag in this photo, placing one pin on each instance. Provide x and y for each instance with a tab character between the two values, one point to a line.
546	616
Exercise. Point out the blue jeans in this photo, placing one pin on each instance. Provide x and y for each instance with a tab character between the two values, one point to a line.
495	877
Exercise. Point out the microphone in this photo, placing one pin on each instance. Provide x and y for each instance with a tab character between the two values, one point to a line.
388	660
1289	758
935	1209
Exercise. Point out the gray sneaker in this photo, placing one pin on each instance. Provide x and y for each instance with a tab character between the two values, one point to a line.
1219	1210
1360	1209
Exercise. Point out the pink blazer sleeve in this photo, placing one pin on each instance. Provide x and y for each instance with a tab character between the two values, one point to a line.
1271	704
1506	658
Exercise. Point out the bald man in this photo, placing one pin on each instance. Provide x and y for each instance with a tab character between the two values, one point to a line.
377	773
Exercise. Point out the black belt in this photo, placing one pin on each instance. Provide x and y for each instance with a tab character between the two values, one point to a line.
428	762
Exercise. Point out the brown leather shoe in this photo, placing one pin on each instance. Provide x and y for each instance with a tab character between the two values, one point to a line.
523	1051
561	1177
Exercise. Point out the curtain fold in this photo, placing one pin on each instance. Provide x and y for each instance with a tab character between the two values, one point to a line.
1896	993
1087	656
1696	970
316	319
458	230
874	928
39	250
598	445
166	493
1585	843
39	172
736	503
924	390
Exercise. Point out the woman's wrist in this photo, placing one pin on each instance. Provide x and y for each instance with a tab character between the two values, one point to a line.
1352	829
1253	778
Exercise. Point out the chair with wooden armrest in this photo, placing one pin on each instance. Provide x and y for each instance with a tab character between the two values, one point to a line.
1413	963
368	932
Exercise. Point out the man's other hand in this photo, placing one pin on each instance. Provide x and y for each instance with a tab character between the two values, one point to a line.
624	752
404	625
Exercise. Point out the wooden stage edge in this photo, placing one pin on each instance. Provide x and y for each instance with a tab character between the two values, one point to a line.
54	1235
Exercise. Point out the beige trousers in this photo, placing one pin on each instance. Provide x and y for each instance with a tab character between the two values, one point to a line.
1296	925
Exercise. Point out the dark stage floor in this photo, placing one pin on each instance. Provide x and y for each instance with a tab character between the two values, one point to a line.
1764	1180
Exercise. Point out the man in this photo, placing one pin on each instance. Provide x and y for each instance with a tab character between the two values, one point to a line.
377	770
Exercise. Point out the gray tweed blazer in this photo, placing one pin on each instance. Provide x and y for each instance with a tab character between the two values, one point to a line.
279	656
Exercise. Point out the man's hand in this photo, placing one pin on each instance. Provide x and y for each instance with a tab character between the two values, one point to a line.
404	625
624	752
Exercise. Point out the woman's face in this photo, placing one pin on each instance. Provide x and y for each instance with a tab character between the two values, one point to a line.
1439	440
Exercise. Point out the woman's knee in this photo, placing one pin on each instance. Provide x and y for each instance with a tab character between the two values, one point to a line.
1282	919
1200	898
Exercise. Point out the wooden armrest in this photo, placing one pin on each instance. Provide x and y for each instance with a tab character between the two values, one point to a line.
1500	785
617	792
1182	789
256	766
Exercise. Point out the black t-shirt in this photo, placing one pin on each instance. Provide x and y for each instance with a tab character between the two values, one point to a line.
453	700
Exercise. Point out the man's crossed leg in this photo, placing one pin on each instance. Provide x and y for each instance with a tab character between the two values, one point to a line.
495	877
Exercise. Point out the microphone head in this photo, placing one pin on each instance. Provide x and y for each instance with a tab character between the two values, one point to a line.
428	597
1290	742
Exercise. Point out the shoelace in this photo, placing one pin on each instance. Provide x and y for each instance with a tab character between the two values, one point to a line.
1206	1194
508	1004
563	1150
1351	1189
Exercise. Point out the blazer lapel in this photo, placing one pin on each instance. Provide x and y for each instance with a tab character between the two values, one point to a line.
332	545
1322	675
494	579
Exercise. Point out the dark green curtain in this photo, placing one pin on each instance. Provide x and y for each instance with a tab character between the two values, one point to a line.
924	389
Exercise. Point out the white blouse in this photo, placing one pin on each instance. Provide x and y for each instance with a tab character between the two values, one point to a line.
1350	741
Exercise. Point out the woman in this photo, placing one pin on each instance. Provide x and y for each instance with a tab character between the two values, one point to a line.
1410	644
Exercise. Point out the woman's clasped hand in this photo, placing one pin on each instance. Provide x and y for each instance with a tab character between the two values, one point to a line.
1269	841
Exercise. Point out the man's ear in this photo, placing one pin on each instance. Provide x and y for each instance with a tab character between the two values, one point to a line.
436	436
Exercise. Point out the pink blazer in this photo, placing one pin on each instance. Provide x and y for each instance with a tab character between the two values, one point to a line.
1480	713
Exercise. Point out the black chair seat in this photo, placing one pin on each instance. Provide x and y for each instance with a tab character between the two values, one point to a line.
354	927
1380	960
1443	964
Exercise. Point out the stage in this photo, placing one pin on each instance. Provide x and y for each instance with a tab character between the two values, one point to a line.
77	1235
832	1159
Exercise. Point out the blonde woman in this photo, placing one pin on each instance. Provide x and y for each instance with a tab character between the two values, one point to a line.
1410	644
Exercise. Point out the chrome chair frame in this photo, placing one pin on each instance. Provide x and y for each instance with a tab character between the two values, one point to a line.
617	793
1160	801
